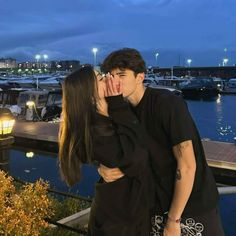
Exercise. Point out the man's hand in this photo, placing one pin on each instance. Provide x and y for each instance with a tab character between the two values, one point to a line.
109	174
172	229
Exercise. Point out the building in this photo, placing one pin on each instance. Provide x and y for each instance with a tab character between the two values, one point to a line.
65	65
7	63
224	72
50	65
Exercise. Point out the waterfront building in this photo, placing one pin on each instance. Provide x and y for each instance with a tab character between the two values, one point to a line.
7	63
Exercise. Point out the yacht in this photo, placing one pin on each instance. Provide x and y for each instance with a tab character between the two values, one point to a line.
230	87
199	88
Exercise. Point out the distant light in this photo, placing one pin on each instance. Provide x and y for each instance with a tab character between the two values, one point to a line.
29	154
218	100
94	50
37	57
189	61
157	54
45	56
30	104
225	61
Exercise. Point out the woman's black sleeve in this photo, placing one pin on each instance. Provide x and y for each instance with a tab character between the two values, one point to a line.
117	140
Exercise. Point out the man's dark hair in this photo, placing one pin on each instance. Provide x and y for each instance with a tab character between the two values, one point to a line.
125	58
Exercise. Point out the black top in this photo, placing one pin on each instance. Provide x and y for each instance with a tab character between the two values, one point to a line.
168	122
117	143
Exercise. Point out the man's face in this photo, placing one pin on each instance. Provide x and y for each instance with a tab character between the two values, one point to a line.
128	80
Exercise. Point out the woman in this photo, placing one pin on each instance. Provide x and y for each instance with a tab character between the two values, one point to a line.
98	127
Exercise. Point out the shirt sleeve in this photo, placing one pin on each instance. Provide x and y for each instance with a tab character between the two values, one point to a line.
177	121
117	143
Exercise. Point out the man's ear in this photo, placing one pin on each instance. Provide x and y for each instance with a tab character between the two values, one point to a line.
140	77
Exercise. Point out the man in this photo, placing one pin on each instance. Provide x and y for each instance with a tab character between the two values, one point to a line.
187	196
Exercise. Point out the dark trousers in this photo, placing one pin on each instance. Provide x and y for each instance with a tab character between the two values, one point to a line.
208	224
102	225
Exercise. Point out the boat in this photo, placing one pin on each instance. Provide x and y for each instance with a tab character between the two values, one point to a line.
169	88
39	99
199	88
9	97
230	87
52	108
50	83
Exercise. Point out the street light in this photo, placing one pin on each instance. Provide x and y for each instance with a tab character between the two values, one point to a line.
94	50
189	61
225	61
156	55
37	57
45	57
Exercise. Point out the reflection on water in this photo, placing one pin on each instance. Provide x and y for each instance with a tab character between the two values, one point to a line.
215	119
30	166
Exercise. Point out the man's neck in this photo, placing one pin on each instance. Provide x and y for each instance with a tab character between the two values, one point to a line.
136	97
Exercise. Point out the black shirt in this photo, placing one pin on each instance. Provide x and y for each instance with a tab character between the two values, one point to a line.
126	202
168	122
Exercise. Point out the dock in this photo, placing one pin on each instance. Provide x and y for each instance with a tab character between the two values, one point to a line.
220	155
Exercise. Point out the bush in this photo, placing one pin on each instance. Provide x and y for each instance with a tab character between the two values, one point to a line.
23	209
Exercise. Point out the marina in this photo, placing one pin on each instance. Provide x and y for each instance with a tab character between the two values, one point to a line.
36	105
219	154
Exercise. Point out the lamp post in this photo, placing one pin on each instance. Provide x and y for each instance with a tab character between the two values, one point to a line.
156	55
37	57
45	57
7	122
94	50
225	61
189	61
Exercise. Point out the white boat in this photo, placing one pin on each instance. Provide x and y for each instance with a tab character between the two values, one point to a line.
49	84
169	88
230	87
39	97
23	82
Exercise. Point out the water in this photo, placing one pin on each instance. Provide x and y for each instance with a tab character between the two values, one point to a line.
215	119
45	166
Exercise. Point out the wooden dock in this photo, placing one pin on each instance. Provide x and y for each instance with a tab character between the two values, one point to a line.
219	154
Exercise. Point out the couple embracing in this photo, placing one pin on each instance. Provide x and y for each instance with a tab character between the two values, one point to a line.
154	176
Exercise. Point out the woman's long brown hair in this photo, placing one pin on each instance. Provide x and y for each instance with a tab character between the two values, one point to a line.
75	145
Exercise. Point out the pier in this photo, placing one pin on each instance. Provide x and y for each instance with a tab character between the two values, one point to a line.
220	155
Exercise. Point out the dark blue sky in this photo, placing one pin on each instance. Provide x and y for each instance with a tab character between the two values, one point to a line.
176	29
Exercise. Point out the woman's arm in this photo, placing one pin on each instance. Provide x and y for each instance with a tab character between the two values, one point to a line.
117	139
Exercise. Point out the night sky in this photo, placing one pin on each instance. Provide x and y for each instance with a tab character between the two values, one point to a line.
203	30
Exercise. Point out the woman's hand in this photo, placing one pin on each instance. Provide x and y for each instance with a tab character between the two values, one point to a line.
114	86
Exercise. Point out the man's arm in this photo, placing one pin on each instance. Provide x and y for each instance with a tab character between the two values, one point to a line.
185	173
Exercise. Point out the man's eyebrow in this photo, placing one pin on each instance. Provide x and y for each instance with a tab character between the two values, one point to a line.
120	73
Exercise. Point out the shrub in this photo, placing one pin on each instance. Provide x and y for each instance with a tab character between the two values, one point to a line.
23	209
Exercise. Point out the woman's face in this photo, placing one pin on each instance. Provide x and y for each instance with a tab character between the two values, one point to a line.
100	85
